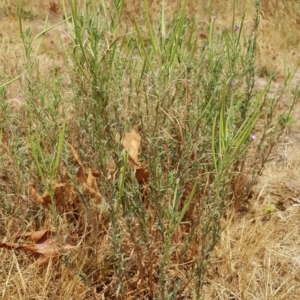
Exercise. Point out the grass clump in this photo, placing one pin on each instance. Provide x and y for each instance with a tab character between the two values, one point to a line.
169	132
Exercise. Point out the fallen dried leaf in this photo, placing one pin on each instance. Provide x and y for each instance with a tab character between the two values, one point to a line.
95	172
81	171
63	172
34	196
64	194
90	187
131	144
111	168
90	179
142	175
45	242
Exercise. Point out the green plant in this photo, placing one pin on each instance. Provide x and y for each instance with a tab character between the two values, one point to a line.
202	135
196	122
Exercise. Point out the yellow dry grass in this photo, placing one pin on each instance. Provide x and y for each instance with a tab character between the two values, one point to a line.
258	256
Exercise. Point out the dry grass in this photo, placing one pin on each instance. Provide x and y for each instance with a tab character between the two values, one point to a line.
258	256
280	21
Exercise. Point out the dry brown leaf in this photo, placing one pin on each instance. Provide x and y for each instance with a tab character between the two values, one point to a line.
63	172
94	193
88	182
90	179
96	172
142	175
45	242
69	193
34	196
90	186
131	144
111	168
46	196
81	171
64	194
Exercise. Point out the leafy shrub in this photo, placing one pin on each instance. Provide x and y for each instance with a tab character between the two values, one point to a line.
178	133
